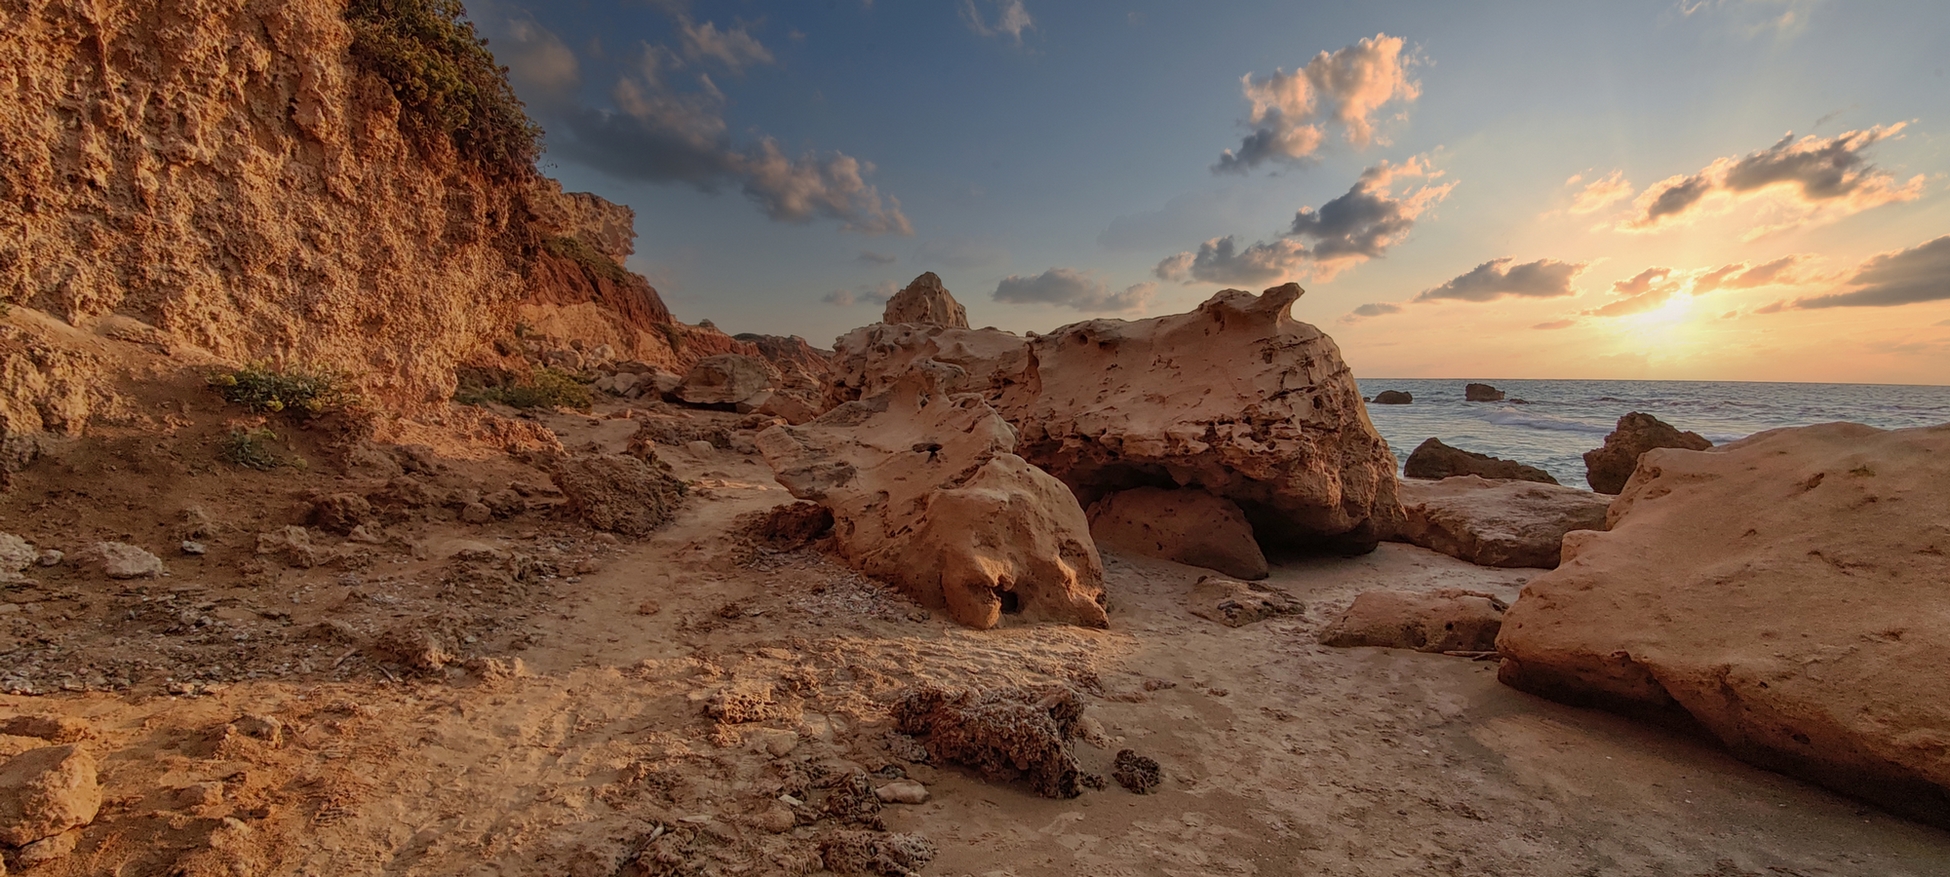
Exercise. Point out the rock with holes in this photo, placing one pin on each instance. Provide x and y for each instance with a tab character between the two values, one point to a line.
876	853
925	300
869	360
1444	620
1497	523
1005	733
1188	526
925	495
1608	468
1786	593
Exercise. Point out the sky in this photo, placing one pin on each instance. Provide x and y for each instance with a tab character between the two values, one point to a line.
1699	190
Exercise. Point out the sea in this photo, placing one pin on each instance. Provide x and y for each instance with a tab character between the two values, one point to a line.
1557	421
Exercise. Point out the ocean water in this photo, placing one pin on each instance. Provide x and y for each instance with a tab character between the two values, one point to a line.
1566	418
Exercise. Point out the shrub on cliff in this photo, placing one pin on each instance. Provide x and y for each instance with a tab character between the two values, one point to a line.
265	390
546	388
445	77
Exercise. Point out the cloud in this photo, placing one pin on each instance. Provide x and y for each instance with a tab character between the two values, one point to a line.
1644	291
1556	324
1738	275
1918	274
1072	288
876	295
1599	194
872	258
1011	19
1497	278
1774	308
1291	111
1371	309
1345	231
1802	180
735	48
1782	17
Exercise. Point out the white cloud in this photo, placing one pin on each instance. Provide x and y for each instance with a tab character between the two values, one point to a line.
1600	193
1346	88
1072	288
1010	20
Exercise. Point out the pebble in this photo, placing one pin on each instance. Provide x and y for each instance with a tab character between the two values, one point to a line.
50	557
902	792
194	549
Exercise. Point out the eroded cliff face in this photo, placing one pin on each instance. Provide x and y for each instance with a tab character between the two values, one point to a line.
223	171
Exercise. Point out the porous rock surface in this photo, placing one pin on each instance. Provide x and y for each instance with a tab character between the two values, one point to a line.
1433	459
1784	592
1237	604
1187	526
1608	468
1005	733
870	359
46	791
926	496
1443	620
925	300
876	853
1496	523
618	493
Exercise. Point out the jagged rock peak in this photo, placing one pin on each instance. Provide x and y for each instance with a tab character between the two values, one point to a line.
926	301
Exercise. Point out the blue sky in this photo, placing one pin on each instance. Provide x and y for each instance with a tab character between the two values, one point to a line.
1414	170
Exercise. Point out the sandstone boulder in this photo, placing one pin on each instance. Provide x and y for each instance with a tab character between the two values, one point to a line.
1446	620
1497	523
925	495
1393	397
120	560
1786	593
1237	604
869	360
1188	526
1481	393
925	300
1434	460
1608	468
726	379
46	791
618	493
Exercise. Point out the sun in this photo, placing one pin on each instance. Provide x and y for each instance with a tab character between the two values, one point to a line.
1666	329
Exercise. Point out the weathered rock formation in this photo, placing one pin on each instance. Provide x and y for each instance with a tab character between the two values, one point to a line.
726	379
1393	397
1237	604
1496	523
1446	620
618	493
1608	468
1006	733
1188	526
925	300
870	359
1784	592
1481	393
926	495
1435	460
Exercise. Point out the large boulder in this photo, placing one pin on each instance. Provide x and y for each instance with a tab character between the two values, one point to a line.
1435	460
726	379
926	495
622	494
1608	468
1481	393
1188	526
1786	593
1393	397
925	300
1497	523
46	791
1236	398
1445	620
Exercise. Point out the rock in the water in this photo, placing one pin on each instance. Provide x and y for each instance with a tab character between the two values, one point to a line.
46	791
925	300
120	560
1786	592
620	494
1237	604
1138	773
926	496
726	379
1481	393
1434	460
1446	620
1393	397
1188	526
1608	468
1497	523
1005	733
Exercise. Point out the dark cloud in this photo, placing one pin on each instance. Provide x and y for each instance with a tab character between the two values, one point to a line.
872	258
1376	309
1556	324
1918	274
1808	177
1739	276
1676	197
1497	278
1220	260
1345	88
1072	288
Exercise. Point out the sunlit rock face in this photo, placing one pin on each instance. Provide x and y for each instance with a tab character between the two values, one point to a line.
1784	592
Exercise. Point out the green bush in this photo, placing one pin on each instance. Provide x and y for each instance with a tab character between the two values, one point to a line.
252	449
264	390
445	77
547	388
582	253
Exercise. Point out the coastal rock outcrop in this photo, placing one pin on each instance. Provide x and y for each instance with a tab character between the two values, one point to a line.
927	496
1393	397
1435	460
1189	526
870	359
1446	620
925	300
1608	468
1496	523
1481	393
1784	592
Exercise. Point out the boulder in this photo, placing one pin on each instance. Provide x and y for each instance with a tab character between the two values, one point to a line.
869	360
1434	460
1005	733
621	494
1785	593
1393	397
925	300
46	791
120	560
1445	620
1237	604
1497	523
726	379
925	495
1481	393
1608	468
1188	526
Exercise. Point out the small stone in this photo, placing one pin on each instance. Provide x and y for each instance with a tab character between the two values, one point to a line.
50	557
777	819
476	513
648	607
194	549
124	561
902	792
701	448
197	795
265	728
1135	772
